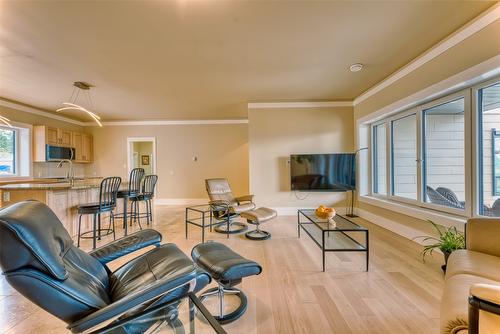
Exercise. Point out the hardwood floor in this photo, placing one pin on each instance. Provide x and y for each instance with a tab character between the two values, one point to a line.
399	294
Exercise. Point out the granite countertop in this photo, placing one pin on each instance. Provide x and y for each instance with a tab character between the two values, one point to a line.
54	184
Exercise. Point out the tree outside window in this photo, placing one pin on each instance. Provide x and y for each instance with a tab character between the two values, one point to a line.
7	152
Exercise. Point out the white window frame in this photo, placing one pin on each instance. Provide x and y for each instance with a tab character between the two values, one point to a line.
476	149
390	120
24	165
466	95
16	173
418	111
373	157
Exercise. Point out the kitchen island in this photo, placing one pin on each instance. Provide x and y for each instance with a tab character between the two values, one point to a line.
61	196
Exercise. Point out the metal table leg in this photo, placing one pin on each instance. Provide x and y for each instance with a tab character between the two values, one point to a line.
203	227
323	249
186	223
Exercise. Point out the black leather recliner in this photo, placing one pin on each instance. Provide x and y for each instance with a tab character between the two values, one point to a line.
39	260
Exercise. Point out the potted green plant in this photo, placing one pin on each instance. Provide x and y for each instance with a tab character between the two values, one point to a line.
448	240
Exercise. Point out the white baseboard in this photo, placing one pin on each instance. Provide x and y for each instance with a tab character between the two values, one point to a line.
292	211
180	201
400	229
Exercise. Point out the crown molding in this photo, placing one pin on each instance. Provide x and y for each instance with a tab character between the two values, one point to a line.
171	122
291	105
479	23
39	112
473	75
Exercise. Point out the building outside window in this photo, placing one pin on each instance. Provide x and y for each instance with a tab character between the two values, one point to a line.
380	159
488	103
404	157
444	154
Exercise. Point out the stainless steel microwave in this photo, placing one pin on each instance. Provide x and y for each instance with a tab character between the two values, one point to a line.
58	153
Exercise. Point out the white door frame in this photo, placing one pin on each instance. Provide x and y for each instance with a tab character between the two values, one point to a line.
130	157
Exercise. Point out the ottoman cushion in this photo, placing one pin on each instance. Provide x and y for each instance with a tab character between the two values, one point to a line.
222	263
259	215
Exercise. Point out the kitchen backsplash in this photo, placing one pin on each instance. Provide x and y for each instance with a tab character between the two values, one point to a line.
49	169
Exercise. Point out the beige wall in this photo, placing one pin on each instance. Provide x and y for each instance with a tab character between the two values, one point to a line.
274	134
472	51
222	151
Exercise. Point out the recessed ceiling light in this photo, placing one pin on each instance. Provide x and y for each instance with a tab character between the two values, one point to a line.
356	67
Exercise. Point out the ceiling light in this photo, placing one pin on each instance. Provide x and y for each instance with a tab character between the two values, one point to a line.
5	121
356	67
72	104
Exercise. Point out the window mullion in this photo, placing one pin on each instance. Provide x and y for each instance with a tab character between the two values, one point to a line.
419	158
468	161
388	157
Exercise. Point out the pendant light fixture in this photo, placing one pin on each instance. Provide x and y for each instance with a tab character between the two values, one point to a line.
83	89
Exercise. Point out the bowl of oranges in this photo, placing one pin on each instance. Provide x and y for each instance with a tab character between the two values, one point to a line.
325	212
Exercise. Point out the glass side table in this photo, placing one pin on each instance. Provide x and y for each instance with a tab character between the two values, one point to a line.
202	216
336	237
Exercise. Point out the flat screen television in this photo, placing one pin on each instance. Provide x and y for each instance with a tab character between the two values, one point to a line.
323	172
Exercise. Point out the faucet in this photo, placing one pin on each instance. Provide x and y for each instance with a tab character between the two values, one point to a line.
70	174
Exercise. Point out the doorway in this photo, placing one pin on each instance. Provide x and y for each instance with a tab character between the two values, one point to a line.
141	153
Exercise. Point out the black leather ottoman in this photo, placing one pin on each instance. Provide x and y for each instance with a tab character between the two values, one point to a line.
227	268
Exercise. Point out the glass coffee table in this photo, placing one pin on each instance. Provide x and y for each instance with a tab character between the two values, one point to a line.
343	235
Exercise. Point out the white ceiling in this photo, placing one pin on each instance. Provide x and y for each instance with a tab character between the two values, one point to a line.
207	59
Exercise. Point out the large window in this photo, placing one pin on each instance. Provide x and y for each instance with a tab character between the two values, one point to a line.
488	105
404	157
495	137
427	155
380	159
444	154
8	152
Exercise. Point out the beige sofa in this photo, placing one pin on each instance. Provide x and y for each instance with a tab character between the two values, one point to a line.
473	271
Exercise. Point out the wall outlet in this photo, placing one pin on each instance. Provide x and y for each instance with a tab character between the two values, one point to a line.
6	196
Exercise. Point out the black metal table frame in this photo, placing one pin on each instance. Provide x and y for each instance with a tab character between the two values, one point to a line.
203	213
193	302
365	248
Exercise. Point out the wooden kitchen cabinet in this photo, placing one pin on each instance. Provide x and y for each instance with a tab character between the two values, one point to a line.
83	145
50	134
53	136
65	138
46	135
63	202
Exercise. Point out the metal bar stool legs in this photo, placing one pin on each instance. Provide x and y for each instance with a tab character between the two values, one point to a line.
138	213
97	231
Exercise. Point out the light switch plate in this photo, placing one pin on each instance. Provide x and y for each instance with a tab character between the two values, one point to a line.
6	196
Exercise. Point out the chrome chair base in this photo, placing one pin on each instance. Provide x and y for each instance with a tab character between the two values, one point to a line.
234	227
220	291
257	234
